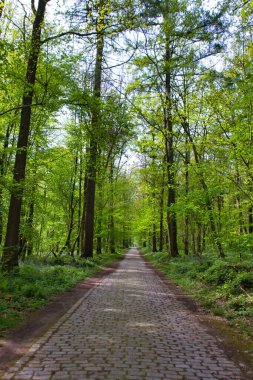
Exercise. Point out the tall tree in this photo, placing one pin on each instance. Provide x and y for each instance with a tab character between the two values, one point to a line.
169	132
11	246
90	175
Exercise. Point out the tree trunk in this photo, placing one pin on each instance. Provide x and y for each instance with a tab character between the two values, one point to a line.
208	202
169	150
87	247
67	244
123	236
161	220
99	218
112	239
199	239
169	140
26	240
186	235
203	243
193	239
11	246
239	206
82	226
154	241
186	221
44	201
80	219
220	205
250	215
99	238
29	243
111	223
3	170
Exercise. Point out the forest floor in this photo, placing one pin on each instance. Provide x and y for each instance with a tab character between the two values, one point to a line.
129	324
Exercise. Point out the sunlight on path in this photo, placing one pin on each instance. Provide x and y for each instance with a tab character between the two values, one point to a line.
128	328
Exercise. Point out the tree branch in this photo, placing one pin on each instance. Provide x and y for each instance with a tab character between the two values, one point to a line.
19	107
33	7
122	63
68	33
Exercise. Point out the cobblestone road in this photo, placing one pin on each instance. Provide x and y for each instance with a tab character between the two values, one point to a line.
128	328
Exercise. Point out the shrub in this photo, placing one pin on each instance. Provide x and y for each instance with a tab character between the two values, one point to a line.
244	279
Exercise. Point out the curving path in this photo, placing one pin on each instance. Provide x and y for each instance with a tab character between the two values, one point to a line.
128	328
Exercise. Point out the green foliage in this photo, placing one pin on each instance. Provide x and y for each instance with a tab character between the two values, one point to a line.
245	279
219	274
39	280
211	113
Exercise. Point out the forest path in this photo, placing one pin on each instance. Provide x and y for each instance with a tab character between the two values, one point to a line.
130	327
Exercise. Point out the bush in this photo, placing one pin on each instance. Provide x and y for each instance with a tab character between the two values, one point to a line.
245	280
219	273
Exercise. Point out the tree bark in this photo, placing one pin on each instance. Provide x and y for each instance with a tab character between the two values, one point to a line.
169	154
67	244
82	226
193	239
11	246
111	216
199	239
161	219
239	207
3	170
250	216
208	201
154	240
186	221
99	237
100	201
87	247
220	205
89	214
29	243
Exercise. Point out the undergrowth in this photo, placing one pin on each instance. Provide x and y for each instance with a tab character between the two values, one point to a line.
223	285
39	280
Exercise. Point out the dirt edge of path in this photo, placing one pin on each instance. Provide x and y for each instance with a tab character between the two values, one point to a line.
16	342
228	338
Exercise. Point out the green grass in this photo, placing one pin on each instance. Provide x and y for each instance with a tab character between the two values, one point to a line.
39	280
223	286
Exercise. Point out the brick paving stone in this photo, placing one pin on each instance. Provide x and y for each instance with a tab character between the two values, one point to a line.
130	327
